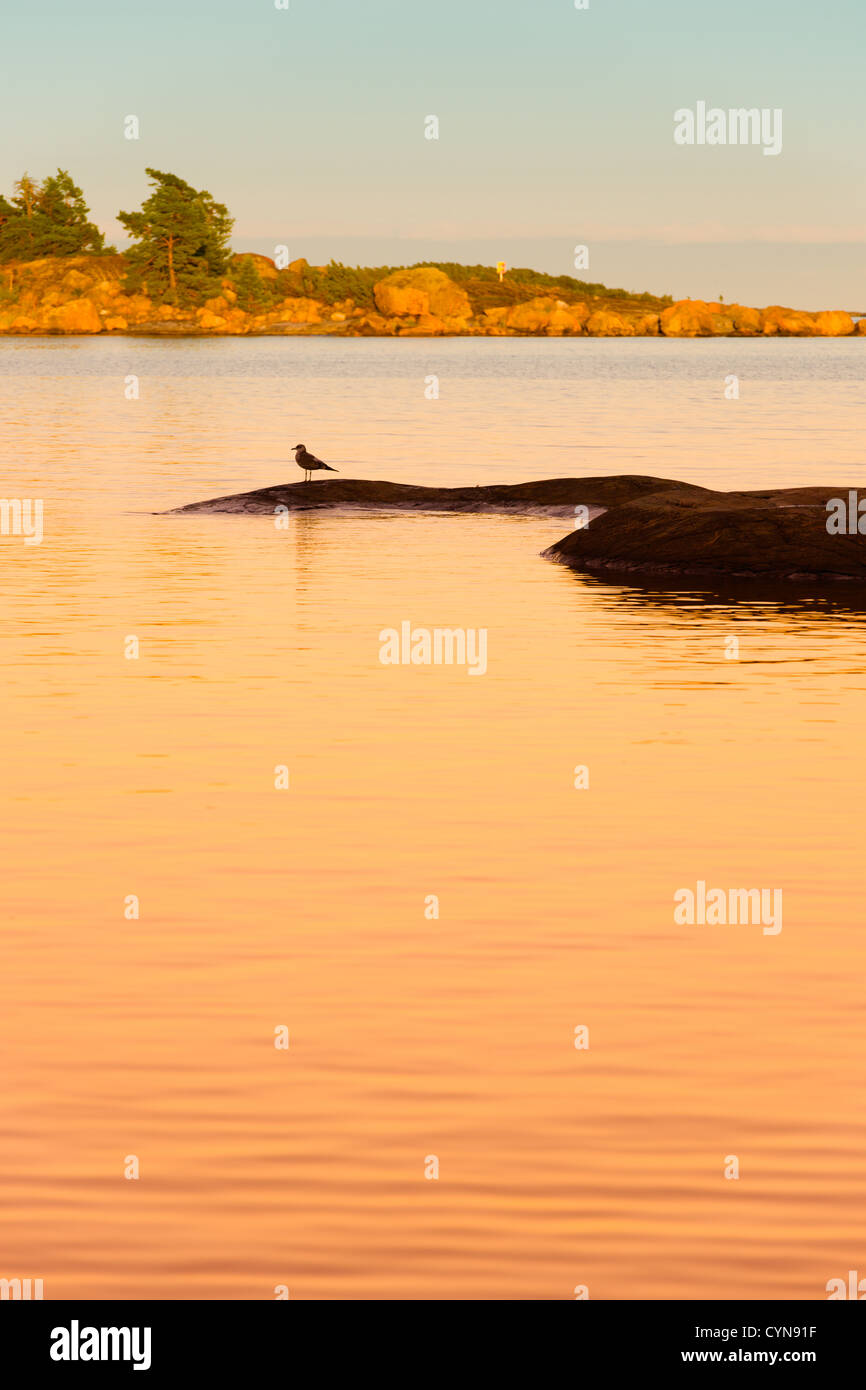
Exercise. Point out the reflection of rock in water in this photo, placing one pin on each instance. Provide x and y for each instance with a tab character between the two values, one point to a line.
689	599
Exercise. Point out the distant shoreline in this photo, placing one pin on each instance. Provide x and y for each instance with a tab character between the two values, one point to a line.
88	295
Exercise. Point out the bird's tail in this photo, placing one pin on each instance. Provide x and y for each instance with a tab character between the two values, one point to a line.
330	469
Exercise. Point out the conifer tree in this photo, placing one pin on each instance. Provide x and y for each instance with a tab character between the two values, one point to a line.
251	291
182	238
46	219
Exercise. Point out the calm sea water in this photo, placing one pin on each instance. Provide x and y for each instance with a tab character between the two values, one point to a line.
413	1036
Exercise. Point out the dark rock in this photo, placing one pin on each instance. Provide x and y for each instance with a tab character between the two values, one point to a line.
557	496
639	524
780	534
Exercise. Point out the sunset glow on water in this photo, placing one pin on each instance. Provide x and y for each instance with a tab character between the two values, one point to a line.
304	908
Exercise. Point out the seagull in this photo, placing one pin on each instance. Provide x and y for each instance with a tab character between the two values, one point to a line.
309	462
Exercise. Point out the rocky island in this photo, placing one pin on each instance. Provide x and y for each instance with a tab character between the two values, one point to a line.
180	277
635	524
94	294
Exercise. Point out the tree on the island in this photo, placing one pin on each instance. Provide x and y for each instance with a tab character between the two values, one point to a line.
27	191
182	238
250	289
44	219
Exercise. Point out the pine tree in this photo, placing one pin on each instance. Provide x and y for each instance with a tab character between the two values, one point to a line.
250	289
64	206
46	219
182	240
26	191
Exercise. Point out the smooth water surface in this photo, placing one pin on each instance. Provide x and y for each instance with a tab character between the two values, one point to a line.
413	1036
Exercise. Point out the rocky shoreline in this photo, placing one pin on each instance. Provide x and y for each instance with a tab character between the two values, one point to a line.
86	294
635	524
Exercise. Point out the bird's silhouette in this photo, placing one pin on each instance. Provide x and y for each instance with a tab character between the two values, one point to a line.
309	462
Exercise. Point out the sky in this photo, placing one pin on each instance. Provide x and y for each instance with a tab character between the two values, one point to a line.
556	130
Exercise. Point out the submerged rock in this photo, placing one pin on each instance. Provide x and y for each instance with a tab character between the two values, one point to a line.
559	496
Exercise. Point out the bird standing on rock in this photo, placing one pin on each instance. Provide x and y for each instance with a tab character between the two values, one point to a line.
309	462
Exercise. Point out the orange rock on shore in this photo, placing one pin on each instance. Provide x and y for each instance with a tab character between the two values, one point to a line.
748	322
787	322
603	324
833	323
533	316
694	318
647	324
77	316
423	290
297	309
